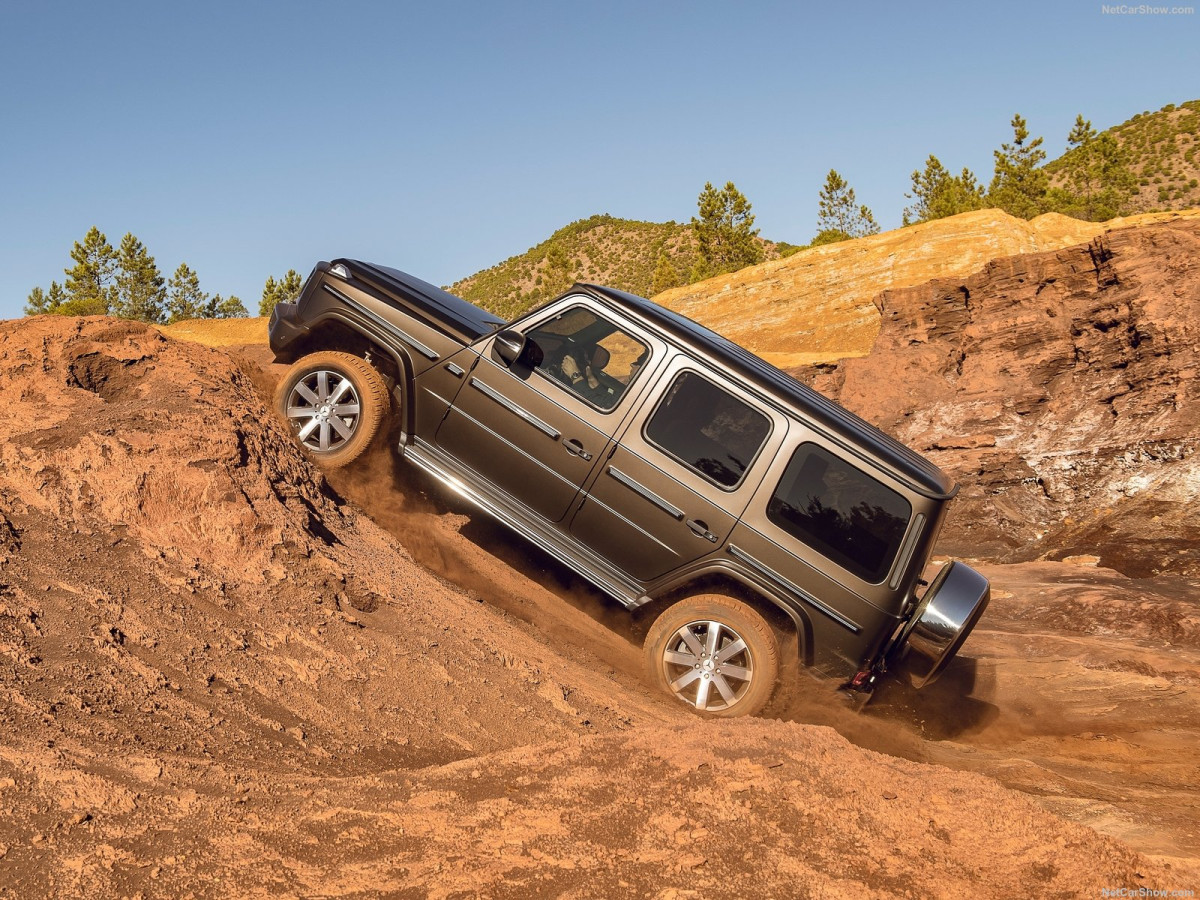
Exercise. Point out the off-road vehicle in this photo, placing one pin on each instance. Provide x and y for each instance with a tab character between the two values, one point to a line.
662	462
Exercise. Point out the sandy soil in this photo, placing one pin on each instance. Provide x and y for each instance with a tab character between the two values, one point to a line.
221	678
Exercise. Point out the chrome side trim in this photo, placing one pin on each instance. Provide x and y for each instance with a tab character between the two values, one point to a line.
383	323
642	491
791	588
634	525
455	369
804	562
907	548
523	522
520	412
523	453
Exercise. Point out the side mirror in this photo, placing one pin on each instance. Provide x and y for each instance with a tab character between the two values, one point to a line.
508	346
514	348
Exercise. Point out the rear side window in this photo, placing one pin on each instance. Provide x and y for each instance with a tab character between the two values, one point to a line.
707	429
840	512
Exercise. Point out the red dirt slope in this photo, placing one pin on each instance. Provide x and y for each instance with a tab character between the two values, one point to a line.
221	680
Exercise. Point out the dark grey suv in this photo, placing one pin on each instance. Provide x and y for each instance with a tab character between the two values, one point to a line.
659	460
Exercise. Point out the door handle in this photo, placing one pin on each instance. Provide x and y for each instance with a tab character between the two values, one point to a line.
576	449
700	529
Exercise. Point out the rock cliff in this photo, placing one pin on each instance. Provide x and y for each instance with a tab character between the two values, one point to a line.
1061	389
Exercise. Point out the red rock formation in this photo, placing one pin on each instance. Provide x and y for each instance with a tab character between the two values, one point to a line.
1061	389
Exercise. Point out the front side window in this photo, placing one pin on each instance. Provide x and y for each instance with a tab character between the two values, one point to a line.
707	429
589	356
840	511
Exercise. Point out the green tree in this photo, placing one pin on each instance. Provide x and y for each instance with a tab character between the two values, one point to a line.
230	307
558	269
1097	181
285	290
665	275
726	238
39	303
1019	185
140	291
839	217
937	194
89	287
185	300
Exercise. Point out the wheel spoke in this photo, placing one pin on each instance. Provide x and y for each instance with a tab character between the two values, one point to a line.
685	679
324	444
714	639
340	390
347	409
322	386
342	428
693	643
724	689
702	693
731	651
738	672
299	412
309	427
679	659
306	392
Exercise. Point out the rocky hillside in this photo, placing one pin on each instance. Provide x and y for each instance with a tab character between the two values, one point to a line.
1163	147
620	253
1061	388
818	304
221	679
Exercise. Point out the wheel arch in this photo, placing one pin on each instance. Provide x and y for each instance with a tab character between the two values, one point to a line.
334	331
782	616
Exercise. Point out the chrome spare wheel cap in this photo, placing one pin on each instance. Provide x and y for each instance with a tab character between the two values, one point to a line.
324	409
708	665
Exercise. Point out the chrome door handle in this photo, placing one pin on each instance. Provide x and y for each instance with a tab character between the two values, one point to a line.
576	449
700	529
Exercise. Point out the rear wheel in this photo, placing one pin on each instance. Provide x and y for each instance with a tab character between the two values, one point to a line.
334	403
715	654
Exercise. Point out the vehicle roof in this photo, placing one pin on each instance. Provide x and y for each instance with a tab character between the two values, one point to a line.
866	440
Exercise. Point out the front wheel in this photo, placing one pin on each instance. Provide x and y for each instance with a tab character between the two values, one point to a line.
715	654
334	403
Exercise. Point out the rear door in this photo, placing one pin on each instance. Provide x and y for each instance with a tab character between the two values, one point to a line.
672	489
537	434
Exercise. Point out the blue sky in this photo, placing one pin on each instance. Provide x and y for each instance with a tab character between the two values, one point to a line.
248	138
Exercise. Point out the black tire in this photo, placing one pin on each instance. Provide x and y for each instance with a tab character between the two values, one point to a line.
742	678
338	432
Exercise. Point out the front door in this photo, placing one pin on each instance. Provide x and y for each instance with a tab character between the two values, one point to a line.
536	434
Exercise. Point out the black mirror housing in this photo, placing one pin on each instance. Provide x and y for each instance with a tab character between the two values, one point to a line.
513	349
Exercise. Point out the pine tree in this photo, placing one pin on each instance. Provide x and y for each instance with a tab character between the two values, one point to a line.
839	217
270	296
1019	186
141	293
89	286
229	307
938	194
285	290
1098	183
37	303
185	300
665	275
725	237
